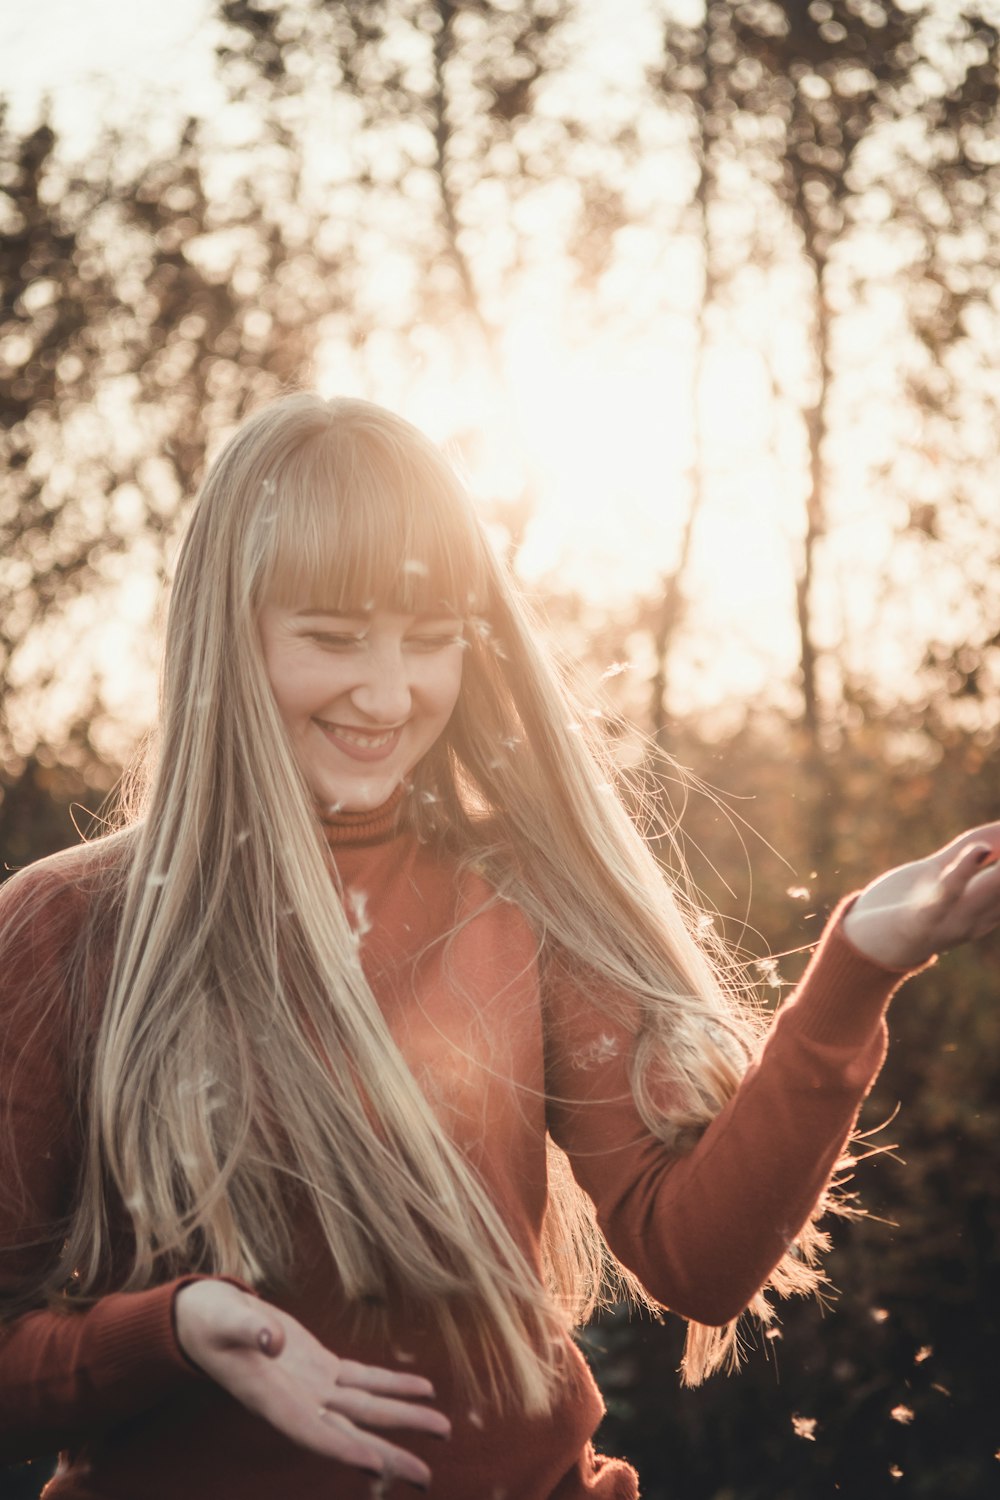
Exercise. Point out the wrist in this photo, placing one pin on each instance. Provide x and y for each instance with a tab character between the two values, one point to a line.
195	1297
879	942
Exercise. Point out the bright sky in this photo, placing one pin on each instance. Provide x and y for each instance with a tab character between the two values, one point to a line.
85	53
605	431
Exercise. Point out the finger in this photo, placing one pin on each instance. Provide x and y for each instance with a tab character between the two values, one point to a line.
369	1451
969	862
986	836
386	1382
251	1331
271	1339
371	1410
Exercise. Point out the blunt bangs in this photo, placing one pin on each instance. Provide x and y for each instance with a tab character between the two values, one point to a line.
368	514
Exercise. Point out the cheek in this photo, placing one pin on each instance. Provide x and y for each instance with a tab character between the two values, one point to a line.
451	686
294	691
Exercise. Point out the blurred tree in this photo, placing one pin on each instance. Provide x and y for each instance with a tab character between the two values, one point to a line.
398	182
863	135
137	321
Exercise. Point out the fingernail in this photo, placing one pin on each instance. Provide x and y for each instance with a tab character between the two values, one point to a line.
264	1340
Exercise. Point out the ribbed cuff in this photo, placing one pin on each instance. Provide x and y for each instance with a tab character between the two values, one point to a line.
135	1343
135	1338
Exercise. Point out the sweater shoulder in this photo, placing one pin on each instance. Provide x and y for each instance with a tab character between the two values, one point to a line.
47	901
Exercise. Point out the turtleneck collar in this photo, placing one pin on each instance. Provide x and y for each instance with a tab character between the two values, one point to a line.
346	830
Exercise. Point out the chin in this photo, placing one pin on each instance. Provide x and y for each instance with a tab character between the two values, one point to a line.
365	795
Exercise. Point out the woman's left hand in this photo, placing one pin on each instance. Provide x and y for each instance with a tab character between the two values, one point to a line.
906	916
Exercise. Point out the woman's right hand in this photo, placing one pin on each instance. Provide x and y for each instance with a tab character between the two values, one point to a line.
274	1366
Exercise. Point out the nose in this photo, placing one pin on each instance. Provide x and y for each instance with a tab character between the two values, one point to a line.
382	693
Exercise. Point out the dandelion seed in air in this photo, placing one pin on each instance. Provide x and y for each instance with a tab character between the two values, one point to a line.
601	1050
155	880
924	1352
767	968
427	798
895	1471
357	901
402	1357
476	1420
879	1315
804	1427
617	668
773	1334
798	892
415	568
903	1414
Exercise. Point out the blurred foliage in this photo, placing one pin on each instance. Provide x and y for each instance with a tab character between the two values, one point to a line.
896	1374
387	178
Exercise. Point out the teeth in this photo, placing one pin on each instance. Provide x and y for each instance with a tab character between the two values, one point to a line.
358	737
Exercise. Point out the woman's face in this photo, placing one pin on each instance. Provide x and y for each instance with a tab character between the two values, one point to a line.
363	696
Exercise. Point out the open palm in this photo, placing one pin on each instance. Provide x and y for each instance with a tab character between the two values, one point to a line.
276	1368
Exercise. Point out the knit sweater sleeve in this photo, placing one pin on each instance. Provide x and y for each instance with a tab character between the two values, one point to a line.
704	1231
63	1374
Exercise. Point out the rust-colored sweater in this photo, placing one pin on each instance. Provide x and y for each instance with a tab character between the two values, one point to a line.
491	1045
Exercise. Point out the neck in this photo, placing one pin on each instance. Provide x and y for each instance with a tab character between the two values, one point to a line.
373	826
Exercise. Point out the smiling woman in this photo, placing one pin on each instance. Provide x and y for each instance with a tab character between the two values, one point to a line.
348	1075
363	696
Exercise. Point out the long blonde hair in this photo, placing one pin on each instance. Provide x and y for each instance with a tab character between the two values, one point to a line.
241	1058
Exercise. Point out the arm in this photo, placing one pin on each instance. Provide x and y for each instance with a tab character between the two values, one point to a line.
66	1375
704	1231
61	1374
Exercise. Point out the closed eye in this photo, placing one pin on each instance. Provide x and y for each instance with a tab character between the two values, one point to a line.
435	642
337	640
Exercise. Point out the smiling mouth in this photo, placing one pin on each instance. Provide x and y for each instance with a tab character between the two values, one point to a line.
361	736
365	742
